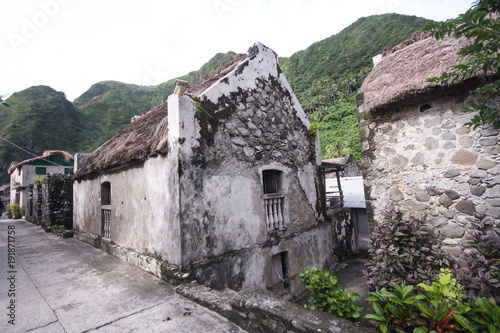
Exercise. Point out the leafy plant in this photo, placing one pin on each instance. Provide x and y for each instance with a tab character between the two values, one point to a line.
443	300
480	273
482	56
8	210
402	310
16	210
402	251
484	316
326	296
395	310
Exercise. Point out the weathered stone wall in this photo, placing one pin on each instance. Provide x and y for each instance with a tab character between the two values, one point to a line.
34	203
256	125
426	162
343	233
57	201
50	204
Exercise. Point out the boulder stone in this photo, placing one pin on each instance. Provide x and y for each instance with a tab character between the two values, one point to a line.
463	131
494	181
466	141
494	202
396	194
450	241
493	192
439	222
474	181
493	212
452	231
452	173
433	191
432	122
449	136
422	196
418	159
238	141
415	205
453	251
490	131
431	143
464	157
477	190
478	173
449	214
448	146
445	200
489	141
466	207
485	164
452	194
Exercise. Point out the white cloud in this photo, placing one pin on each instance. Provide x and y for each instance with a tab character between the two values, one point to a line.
71	44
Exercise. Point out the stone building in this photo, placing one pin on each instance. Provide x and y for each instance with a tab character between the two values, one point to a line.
24	173
221	182
416	152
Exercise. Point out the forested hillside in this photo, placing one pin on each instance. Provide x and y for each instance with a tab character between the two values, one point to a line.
325	78
41	119
327	75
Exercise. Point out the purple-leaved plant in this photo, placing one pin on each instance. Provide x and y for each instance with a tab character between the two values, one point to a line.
402	251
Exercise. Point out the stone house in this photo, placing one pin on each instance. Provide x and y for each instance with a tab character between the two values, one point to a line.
221	183
416	152
24	173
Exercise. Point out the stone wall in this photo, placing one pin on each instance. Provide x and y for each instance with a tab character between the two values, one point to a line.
343	233
423	160
50	203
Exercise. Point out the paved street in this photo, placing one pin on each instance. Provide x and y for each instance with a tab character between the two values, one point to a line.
54	285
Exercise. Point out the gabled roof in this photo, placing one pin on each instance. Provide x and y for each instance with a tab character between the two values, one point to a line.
44	159
147	136
400	77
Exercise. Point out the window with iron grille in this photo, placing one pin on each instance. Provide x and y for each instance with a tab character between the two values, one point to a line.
274	199
106	210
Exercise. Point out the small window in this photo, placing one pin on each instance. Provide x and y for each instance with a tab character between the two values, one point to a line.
425	107
68	171
40	170
271	181
106	210
106	193
280	281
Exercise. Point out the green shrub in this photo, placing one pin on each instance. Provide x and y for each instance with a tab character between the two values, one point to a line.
479	272
16	211
8	210
402	251
439	309
326	296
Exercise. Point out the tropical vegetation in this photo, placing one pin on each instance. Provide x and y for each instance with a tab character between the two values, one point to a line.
479	24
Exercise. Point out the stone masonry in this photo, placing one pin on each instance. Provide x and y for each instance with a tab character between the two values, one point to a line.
425	161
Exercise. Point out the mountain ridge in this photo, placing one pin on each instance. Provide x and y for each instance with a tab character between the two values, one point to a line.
325	77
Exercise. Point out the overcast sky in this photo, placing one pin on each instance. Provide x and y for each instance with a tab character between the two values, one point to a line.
72	44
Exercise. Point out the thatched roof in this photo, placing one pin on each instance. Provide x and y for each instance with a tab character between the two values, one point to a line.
46	154
400	77
145	137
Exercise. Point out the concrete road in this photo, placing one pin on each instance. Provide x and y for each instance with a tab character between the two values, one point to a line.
50	284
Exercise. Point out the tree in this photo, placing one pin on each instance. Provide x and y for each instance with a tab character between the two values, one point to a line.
479	24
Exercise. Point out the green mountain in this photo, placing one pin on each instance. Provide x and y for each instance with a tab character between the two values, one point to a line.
325	78
41	119
110	105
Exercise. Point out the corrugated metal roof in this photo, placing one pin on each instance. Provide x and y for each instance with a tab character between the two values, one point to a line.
353	189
